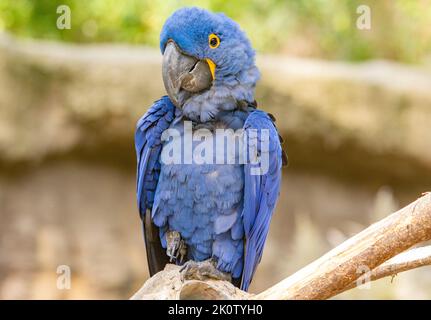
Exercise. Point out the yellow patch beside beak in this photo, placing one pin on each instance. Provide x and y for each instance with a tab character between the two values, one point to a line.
212	66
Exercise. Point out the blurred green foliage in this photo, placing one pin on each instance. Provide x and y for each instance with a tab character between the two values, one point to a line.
401	29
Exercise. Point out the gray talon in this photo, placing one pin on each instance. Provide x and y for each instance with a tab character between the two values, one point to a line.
176	247
203	270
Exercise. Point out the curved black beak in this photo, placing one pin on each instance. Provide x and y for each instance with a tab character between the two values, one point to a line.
183	75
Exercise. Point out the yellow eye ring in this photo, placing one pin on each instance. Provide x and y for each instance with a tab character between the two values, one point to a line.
213	41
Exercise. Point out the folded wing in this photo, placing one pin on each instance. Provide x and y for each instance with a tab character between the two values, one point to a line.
148	146
261	187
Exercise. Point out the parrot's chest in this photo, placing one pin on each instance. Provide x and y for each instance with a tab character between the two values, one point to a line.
202	170
200	194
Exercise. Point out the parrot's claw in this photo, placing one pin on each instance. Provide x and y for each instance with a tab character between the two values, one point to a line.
203	270
176	249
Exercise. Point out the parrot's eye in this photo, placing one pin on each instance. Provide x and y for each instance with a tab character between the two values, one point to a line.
213	41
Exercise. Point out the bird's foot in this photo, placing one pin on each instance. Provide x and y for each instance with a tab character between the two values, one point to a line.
176	249
203	270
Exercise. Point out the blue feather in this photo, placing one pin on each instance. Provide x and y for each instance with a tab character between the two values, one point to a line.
148	148
260	196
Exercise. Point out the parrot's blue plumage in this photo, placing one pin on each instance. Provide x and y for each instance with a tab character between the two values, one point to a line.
148	145
222	211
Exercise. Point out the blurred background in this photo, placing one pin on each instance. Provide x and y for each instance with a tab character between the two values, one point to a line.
354	107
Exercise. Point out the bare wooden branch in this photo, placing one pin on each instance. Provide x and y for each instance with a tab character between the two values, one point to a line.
336	270
412	259
331	274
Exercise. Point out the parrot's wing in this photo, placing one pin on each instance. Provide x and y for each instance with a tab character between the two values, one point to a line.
148	146
260	190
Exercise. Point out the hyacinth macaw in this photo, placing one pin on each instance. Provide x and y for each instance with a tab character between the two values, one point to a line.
218	214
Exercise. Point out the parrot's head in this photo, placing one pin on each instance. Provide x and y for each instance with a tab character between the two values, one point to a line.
208	63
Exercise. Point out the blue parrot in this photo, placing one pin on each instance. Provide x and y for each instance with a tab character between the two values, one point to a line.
206	214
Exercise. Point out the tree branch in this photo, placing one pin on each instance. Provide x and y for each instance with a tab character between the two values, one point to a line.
405	261
333	273
336	270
